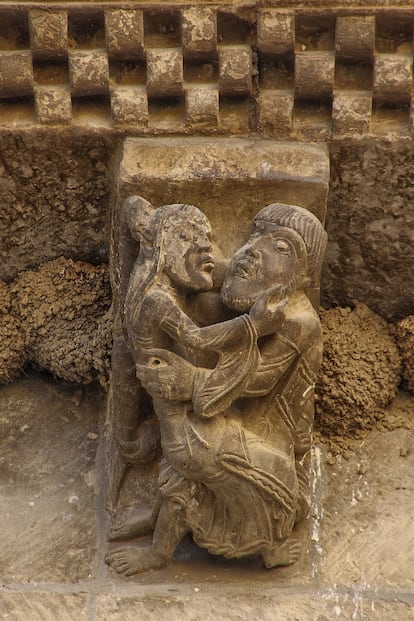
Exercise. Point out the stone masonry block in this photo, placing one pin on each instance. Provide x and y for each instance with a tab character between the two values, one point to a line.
355	38
125	33
393	78
164	72
275	32
129	106
48	33
89	73
16	73
275	112
202	107
314	75
53	104
351	112
235	70
245	174
199	32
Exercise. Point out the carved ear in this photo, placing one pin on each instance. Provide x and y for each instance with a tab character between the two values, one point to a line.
137	214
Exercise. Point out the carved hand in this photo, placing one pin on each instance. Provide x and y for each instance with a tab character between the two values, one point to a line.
267	313
167	375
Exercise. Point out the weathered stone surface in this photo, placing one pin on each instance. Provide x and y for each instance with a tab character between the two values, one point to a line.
89	72
199	32
38	606
125	33
53	104
49	437
16	73
368	534
314	75
202	107
351	112
403	332
355	37
48	33
49	210
393	78
370	226
164	72
237	605
275	112
360	371
275	32
129	106
235	69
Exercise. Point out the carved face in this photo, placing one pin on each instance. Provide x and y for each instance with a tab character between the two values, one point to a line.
274	255
188	261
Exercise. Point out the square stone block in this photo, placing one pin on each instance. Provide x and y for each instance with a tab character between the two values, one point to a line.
393	78
355	38
89	72
275	112
129	106
48	33
53	104
16	74
351	112
164	72
124	33
235	70
275	32
199	32
314	75
202	107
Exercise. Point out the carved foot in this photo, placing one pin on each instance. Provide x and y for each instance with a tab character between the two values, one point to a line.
286	553
131	522
130	560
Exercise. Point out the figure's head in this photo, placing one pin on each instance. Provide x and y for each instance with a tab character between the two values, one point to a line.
186	247
175	239
285	248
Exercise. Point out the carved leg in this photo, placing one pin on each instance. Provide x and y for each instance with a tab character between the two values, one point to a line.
133	522
286	553
169	530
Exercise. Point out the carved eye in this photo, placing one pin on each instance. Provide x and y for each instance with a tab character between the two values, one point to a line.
282	246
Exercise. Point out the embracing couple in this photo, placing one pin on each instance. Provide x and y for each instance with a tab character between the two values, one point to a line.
230	364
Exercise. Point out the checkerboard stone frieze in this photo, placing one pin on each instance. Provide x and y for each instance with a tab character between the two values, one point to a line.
130	75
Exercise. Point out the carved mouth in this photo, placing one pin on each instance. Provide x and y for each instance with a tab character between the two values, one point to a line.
206	264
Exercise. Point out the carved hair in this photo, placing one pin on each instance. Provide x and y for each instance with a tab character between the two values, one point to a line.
306	225
153	230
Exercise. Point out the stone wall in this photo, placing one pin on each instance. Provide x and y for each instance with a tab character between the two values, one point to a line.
75	81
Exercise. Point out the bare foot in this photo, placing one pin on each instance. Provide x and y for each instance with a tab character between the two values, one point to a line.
286	553
131	522
130	560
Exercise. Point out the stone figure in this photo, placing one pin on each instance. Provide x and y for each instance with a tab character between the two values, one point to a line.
234	399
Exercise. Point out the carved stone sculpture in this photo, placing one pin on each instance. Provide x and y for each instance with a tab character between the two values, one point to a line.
231	376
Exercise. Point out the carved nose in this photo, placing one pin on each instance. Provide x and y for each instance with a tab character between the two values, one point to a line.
206	247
